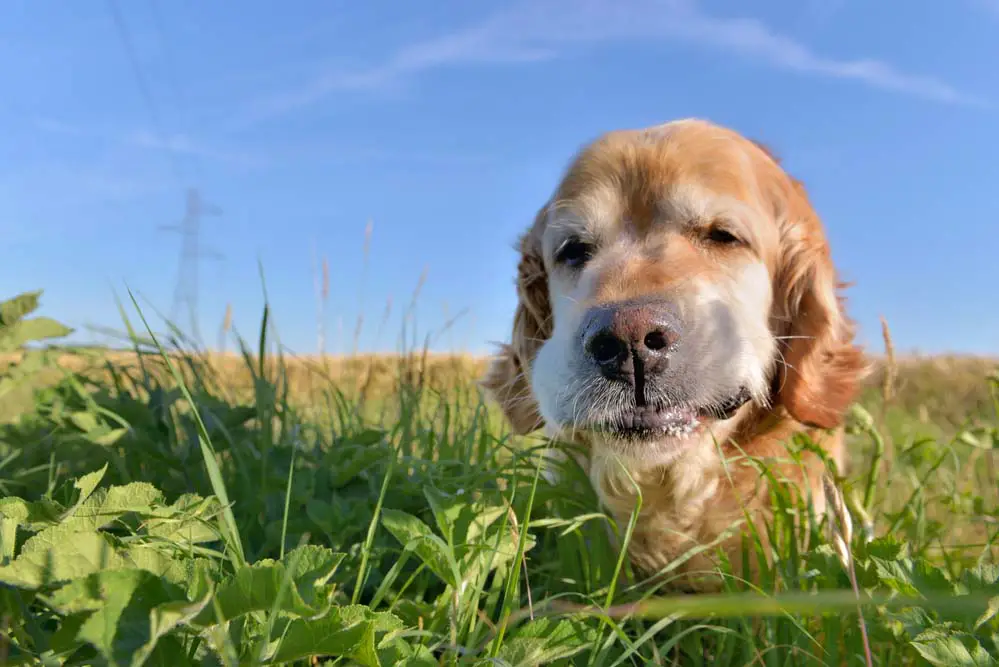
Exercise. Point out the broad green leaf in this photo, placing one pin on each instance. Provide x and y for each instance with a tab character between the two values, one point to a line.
493	554
85	486
314	567
399	653
17	307
447	511
254	588
929	578
32	515
8	538
886	547
19	333
990	612
350	632
484	517
911	578
202	575
61	553
65	639
894	575
417	537
321	512
461	519
908	622
64	552
952	649
984	577
171	652
15	509
129	612
158	562
106	505
257	587
348	466
545	640
163	619
983	574
190	520
88	483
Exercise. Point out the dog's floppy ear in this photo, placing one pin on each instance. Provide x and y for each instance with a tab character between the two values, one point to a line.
508	379
821	368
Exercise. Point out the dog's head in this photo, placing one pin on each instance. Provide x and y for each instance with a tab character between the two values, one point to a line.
677	279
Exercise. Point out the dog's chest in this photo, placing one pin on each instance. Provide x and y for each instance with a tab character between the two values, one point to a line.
686	512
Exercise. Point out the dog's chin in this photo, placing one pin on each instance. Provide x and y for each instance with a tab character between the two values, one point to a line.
638	429
649	423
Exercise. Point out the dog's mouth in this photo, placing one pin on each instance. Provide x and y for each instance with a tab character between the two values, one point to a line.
671	421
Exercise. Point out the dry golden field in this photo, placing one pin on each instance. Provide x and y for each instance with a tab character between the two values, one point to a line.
943	392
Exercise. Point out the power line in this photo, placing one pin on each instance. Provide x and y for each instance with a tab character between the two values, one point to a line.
171	72
154	9
141	82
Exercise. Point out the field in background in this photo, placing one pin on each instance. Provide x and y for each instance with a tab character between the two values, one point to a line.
941	391
931	395
373	510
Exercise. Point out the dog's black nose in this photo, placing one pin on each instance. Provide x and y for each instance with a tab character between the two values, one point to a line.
630	341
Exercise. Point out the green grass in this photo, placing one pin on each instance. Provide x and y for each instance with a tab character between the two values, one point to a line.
292	522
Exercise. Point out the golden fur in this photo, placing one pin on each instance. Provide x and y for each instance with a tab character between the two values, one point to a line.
646	194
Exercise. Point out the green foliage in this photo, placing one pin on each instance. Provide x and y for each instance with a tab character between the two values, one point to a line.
150	517
16	331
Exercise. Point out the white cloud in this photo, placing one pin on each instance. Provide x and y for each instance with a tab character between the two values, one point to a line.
183	145
177	144
55	126
545	29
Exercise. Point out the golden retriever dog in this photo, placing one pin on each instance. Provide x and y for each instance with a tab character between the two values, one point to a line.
678	313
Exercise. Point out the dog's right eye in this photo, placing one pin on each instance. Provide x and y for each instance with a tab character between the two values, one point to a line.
574	253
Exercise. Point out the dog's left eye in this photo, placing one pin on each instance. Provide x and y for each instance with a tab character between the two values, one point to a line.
574	253
722	236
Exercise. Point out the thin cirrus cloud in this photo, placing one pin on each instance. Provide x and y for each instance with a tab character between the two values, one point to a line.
177	144
536	30
183	145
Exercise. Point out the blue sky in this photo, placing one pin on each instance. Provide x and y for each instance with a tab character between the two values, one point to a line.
446	124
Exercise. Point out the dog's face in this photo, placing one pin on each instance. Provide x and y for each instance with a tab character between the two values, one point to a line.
677	279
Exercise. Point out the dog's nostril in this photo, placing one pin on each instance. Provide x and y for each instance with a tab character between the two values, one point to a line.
606	347
656	341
